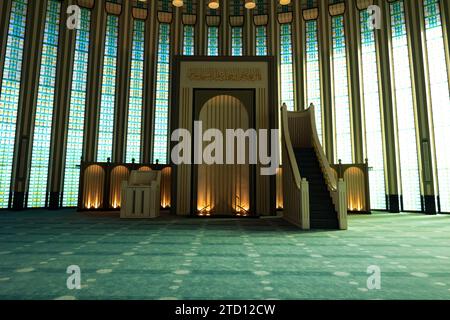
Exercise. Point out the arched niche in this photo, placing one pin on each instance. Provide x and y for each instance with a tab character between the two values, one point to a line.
118	174
94	180
223	189
356	189
165	187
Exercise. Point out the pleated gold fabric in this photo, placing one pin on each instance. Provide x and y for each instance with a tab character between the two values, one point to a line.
356	195
279	181
94	180
165	187
224	189
118	174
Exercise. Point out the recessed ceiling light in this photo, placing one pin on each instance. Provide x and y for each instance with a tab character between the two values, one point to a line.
250	4
177	3
213	4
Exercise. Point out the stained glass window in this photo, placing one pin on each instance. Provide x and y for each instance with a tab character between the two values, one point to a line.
261	6
313	73
161	125
77	108
189	6
311	3
409	166
261	41
372	114
189	31
236	9
261	31
439	97
135	104
287	66
9	94
40	155
108	96
165	5
236	41
213	41
188	40
341	96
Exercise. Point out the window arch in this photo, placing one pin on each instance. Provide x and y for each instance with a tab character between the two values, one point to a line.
161	109
40	154
9	94
77	109
287	82
237	32
440	100
136	98
372	115
261	30
406	131
189	30
341	103
212	33
108	94
313	89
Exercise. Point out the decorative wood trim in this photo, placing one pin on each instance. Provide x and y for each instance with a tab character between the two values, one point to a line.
113	8
213	21
189	19
165	17
285	17
336	9
261	20
310	14
86	3
236	21
139	13
363	4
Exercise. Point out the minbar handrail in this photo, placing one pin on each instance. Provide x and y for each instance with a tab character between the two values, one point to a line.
337	189
324	164
288	144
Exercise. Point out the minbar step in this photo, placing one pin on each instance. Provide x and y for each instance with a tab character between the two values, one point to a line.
322	212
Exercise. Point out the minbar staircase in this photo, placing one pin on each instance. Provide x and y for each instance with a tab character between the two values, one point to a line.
322	211
312	196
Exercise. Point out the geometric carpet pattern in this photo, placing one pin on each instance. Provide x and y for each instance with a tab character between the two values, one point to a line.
190	258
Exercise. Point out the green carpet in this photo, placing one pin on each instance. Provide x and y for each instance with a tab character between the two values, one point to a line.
172	258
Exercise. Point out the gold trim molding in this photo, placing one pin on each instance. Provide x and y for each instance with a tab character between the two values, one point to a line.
224	74
261	20
236	21
213	21
86	3
285	17
139	13
337	9
164	17
113	8
363	4
189	19
310	14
